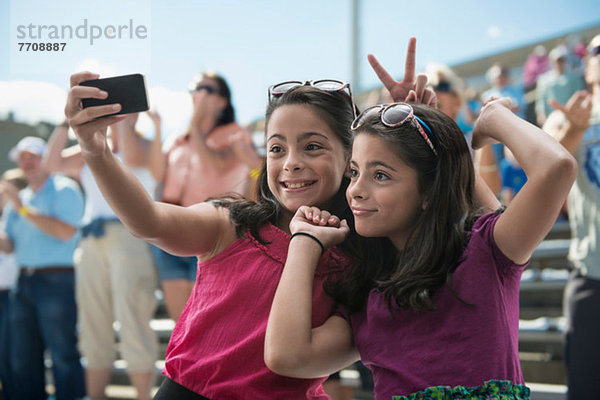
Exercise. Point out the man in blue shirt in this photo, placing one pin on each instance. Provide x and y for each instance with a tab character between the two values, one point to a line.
41	230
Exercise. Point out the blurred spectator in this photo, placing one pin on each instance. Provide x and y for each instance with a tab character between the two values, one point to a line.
537	63
448	88
213	157
41	229
9	273
116	277
512	175
469	112
499	77
473	105
558	84
575	53
577	126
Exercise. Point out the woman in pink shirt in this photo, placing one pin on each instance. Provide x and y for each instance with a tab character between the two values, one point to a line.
213	157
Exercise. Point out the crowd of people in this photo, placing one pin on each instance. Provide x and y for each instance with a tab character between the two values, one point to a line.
388	237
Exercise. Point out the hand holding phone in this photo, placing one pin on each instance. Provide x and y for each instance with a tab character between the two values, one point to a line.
127	90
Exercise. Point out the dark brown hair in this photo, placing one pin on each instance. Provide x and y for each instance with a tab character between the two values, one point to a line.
434	249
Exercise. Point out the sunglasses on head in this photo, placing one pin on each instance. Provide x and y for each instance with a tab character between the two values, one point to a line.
209	89
327	85
393	115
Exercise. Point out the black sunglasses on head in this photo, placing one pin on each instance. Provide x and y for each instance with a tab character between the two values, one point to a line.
209	89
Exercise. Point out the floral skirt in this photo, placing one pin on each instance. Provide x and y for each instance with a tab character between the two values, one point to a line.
503	390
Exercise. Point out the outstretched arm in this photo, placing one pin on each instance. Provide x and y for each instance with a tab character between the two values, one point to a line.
550	170
409	89
195	230
292	347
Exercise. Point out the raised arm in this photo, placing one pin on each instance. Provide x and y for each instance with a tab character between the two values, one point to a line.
158	159
58	159
196	230
487	169
292	347
550	170
134	149
484	196
241	143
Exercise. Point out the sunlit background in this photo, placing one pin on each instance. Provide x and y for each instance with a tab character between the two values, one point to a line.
257	43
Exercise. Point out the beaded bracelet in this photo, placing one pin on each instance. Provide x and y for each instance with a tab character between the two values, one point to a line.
310	236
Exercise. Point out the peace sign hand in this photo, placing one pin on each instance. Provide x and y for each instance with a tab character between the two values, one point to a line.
409	89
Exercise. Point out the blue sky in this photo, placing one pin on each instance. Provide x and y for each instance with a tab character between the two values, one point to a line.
255	43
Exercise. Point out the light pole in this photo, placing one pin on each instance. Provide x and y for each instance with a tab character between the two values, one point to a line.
355	43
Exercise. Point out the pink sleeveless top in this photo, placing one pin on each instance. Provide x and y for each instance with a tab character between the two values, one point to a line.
217	346
190	179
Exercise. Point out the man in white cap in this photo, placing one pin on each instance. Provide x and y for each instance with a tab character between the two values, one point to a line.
42	231
577	126
558	84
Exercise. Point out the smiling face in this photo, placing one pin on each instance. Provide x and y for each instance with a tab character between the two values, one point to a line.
383	192
305	158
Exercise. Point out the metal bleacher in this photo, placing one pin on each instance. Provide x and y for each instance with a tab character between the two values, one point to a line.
541	324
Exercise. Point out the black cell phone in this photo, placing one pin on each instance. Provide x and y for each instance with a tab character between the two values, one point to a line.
127	90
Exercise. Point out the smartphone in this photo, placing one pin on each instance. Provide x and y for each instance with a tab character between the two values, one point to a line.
127	90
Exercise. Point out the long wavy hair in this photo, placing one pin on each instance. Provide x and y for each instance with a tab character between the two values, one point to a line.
410	277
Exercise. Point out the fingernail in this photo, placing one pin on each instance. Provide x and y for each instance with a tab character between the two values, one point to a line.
103	93
116	107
